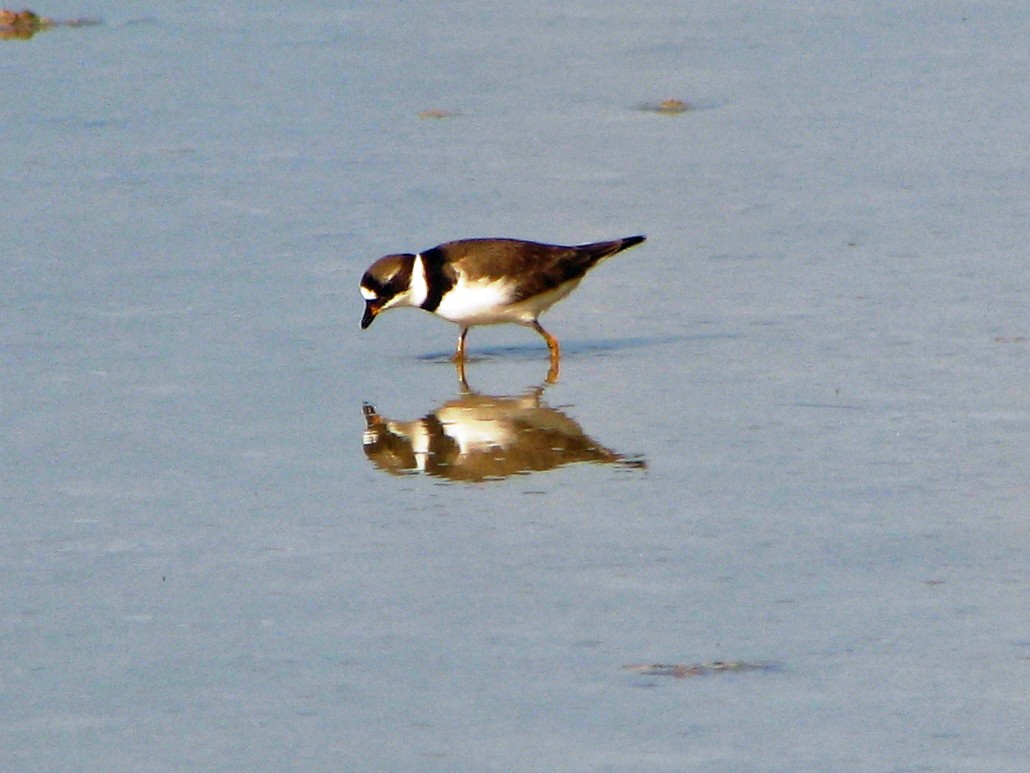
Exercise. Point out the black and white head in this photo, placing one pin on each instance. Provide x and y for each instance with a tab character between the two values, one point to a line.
387	284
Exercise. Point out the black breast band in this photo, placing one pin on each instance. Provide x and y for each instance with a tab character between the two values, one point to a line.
440	278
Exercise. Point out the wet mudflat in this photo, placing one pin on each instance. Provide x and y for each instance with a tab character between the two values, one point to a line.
772	515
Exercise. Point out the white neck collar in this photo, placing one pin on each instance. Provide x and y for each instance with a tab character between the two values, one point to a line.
419	290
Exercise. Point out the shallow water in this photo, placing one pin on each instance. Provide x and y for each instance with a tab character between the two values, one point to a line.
800	409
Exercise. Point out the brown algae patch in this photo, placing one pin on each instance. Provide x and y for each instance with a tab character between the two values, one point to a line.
22	25
682	671
670	106
434	113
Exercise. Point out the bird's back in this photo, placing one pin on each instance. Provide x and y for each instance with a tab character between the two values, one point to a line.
533	267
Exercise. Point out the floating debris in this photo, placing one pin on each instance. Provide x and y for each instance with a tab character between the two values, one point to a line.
682	671
436	113
1010	339
22	25
669	106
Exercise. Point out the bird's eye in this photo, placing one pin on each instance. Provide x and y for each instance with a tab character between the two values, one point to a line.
367	294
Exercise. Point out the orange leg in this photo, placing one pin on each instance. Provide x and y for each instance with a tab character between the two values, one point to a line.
459	353
459	360
552	342
552	347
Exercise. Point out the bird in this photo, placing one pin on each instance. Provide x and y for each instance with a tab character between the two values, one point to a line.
484	282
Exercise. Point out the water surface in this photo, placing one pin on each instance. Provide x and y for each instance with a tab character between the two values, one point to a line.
805	396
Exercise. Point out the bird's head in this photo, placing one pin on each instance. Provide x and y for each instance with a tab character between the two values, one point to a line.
385	285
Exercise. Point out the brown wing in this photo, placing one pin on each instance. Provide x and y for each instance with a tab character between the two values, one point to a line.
536	267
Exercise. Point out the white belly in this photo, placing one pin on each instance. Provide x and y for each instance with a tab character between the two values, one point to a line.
489	303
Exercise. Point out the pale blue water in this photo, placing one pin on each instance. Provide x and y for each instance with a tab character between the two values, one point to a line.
820	353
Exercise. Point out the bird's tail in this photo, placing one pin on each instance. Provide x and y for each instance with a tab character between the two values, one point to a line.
592	254
630	241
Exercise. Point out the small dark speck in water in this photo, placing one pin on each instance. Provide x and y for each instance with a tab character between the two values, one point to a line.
682	671
436	113
670	106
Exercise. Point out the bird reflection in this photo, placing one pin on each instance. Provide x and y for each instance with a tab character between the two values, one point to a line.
478	437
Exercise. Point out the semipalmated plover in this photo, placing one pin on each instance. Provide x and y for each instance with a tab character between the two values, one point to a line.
484	282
